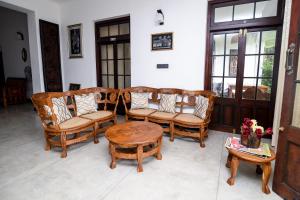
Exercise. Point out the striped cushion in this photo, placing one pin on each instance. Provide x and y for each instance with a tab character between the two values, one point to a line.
167	103
60	109
139	100
201	107
85	104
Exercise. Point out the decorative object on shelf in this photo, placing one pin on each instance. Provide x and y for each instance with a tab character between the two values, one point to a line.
160	17
162	41
24	55
251	133
75	41
20	36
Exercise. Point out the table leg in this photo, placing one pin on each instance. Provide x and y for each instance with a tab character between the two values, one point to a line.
140	158
112	149
234	167
158	155
267	169
229	158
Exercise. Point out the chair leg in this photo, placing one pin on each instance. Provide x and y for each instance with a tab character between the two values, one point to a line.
201	137
47	143
115	120
63	140
171	131
95	129
126	118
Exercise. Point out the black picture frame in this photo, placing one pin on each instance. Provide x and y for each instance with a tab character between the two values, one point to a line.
162	41
75	41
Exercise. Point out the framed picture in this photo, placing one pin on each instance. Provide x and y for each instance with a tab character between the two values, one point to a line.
162	41
233	62
75	38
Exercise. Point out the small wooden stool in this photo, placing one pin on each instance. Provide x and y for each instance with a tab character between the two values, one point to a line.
234	158
134	140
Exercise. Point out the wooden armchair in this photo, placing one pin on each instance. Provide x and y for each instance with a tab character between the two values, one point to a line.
164	118
188	125
56	134
138	114
105	98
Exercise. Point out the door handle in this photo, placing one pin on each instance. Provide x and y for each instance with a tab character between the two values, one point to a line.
281	129
290	54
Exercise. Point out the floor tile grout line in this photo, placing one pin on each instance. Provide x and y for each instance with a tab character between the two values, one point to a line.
220	167
117	184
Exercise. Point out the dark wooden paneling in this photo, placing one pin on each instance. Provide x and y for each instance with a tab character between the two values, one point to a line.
50	47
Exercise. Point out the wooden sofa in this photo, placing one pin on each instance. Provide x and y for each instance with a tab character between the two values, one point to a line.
77	128
183	122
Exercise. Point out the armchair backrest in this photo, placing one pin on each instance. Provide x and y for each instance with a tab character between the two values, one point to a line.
189	100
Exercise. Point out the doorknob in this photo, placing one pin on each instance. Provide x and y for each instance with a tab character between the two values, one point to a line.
281	129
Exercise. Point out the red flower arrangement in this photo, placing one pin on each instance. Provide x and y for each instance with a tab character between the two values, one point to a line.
252	133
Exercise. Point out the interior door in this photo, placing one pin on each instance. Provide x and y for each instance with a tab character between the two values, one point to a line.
287	167
50	47
243	76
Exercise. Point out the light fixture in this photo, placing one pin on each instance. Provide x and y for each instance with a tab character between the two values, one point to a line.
160	18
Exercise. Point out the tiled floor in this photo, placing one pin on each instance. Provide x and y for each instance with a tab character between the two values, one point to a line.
185	172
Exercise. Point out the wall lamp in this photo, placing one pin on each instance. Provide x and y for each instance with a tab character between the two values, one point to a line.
160	18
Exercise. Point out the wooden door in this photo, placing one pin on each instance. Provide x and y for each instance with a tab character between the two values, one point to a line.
244	75
287	167
50	47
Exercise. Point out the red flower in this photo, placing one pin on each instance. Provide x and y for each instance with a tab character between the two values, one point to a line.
259	133
248	122
269	131
245	130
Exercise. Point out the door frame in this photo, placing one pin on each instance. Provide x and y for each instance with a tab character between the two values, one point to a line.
43	52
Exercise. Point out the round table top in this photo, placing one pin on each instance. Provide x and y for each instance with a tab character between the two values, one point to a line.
252	158
134	133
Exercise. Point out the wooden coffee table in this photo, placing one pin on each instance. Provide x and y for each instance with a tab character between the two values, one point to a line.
234	158
134	140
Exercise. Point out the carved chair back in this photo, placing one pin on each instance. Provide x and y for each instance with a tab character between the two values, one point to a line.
126	95
189	100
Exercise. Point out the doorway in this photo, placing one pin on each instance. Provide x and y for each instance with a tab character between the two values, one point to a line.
113	53
242	61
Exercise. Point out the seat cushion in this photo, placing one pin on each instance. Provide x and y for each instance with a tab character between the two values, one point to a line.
98	115
167	103
141	112
139	100
163	115
74	122
85	104
189	118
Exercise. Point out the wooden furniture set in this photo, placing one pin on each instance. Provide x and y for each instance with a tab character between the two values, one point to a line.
180	123
14	91
134	140
234	158
82	127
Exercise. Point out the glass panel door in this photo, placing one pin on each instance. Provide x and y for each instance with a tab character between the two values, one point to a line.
259	64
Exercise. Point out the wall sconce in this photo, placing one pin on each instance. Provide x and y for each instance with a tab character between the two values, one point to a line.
160	18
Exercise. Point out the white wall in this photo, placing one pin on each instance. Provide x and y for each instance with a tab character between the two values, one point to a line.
10	45
35	10
187	19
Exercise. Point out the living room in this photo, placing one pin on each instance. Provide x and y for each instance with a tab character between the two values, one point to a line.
221	64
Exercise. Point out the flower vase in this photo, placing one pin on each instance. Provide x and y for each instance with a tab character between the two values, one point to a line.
250	141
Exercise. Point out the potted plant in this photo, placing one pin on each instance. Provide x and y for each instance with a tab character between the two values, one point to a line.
251	133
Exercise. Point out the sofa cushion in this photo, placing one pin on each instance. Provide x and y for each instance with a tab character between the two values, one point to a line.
163	115
201	107
141	112
139	100
98	115
167	103
85	104
60	110
189	118
74	122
